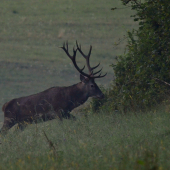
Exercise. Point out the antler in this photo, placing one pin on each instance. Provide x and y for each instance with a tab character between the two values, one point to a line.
87	57
73	58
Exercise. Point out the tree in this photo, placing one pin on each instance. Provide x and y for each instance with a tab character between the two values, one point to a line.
140	72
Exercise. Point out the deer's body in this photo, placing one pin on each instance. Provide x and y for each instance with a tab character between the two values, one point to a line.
55	102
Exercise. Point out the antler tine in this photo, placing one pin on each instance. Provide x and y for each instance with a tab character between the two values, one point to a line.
100	76
79	70
98	71
90	51
73	52
82	68
79	49
87	57
73	58
78	46
95	66
66	45
65	48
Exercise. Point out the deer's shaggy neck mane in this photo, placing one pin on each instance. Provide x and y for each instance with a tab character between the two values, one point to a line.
76	95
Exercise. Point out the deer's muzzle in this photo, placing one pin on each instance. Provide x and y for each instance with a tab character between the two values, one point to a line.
100	96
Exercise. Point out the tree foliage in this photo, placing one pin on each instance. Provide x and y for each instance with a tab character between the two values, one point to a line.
140	72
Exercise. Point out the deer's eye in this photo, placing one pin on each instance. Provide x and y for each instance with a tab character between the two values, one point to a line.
92	85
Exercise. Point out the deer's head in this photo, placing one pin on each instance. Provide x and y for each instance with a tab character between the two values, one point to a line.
87	80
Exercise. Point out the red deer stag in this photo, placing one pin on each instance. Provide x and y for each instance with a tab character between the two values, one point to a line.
55	102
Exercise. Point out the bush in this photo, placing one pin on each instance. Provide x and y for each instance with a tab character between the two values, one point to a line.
139	73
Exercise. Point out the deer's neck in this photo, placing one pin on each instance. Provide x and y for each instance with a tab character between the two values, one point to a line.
77	95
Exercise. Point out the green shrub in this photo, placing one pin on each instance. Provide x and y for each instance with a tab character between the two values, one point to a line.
97	104
147	59
140	72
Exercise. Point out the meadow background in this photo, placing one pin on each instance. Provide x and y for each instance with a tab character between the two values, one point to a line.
30	61
31	32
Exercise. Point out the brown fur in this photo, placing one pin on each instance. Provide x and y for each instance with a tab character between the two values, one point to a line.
4	106
55	102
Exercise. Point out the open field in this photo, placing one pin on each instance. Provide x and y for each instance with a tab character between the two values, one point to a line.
30	61
101	141
31	32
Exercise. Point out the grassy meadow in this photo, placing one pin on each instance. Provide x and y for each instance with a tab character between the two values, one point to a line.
97	141
30	61
31	32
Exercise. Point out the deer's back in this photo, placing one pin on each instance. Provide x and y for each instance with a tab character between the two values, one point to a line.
40	102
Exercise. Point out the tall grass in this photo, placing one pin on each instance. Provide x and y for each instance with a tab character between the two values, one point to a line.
100	141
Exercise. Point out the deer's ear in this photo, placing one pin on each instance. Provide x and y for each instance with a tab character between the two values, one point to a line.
83	79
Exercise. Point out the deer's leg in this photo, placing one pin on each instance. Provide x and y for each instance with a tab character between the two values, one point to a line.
22	125
57	114
67	115
8	123
71	117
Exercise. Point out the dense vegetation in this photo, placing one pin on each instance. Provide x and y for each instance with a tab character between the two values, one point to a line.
141	74
103	141
31	32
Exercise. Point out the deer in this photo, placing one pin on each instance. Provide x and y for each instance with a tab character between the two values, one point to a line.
55	102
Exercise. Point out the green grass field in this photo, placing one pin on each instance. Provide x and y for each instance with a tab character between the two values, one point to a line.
31	32
30	61
101	141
